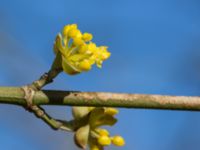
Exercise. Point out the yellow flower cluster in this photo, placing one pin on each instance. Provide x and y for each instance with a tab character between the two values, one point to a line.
91	132
77	51
103	137
105	140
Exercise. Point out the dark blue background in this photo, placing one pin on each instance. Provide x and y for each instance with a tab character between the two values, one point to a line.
155	48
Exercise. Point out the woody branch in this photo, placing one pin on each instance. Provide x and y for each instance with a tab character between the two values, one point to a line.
15	95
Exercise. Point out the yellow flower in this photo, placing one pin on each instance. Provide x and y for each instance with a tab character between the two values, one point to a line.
92	47
77	51
118	141
111	111
104	53
78	41
85	65
83	49
67	28
87	37
104	140
74	33
103	132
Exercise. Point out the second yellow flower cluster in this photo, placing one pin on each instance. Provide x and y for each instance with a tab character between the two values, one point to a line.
104	139
91	133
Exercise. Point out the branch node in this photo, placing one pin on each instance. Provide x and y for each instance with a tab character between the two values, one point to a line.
39	112
28	96
38	84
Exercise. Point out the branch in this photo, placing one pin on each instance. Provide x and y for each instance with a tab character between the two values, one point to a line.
15	95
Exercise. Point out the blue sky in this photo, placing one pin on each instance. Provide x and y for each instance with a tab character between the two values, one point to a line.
155	50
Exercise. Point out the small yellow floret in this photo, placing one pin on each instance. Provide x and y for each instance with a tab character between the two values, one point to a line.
67	28
104	140
118	141
87	37
74	26
111	111
85	65
83	48
78	41
103	132
72	33
104	53
92	47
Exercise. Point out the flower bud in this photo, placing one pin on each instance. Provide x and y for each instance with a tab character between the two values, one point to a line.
103	132
111	111
104	140
67	28
118	141
85	65
87	37
74	33
78	41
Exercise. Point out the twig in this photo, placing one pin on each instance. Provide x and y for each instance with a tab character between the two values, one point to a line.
45	79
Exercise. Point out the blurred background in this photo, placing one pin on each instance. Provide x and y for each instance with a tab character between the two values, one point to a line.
155	48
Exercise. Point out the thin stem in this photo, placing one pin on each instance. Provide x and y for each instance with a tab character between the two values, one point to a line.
40	113
45	79
15	95
58	124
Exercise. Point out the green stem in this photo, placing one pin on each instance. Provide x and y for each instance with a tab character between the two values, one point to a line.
15	95
71	125
40	113
45	79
